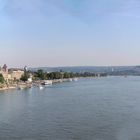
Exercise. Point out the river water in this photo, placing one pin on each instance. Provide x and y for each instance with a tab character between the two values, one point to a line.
90	109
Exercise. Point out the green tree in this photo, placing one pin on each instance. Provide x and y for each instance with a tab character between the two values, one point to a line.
1	79
24	77
41	74
66	75
51	75
57	75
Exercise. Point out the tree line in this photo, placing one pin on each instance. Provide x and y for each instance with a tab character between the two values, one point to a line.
42	75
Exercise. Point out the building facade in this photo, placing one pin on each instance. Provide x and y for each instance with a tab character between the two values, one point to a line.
4	72
11	74
15	74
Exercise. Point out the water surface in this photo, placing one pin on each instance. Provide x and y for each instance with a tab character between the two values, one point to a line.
90	109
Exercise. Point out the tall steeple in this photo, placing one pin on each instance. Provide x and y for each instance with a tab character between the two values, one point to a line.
25	68
4	68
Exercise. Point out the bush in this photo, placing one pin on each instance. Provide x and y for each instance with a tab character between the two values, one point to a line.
1	79
24	77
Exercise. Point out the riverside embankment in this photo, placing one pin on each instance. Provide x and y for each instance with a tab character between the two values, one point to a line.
25	85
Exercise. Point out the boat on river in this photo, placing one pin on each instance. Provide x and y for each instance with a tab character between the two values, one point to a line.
41	87
75	79
47	82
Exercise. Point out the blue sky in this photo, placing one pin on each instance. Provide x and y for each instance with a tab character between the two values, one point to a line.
69	32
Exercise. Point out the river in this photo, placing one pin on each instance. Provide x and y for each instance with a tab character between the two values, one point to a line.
105	108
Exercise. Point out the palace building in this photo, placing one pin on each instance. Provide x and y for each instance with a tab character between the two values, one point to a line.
11	74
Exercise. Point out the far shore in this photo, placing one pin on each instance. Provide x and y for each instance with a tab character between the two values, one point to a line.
25	85
7	88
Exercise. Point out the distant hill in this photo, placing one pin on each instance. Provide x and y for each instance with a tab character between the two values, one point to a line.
114	70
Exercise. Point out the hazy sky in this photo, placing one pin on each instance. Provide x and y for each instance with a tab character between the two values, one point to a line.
69	32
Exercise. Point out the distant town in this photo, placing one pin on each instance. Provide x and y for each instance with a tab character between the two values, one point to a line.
14	78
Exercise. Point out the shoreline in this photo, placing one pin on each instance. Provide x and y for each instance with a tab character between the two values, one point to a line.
16	86
7	88
25	85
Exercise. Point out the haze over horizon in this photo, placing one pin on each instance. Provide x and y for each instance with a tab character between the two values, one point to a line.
69	32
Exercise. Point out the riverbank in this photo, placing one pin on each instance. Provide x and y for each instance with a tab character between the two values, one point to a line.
15	86
7	88
24	85
54	81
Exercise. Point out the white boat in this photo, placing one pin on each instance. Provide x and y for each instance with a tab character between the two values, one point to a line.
47	82
20	88
70	79
41	87
75	79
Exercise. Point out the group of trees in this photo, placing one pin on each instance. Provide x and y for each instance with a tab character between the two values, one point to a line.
41	75
1	79
25	76
59	75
